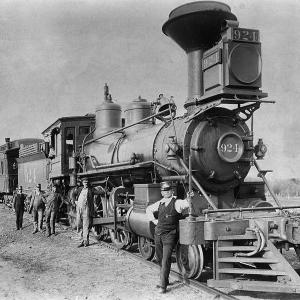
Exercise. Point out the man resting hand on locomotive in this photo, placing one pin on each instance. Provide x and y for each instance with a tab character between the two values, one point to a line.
166	232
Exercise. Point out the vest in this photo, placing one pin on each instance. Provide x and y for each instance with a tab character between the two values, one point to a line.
168	218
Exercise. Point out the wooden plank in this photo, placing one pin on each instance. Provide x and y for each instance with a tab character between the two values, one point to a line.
262	286
109	220
249	259
237	248
263	272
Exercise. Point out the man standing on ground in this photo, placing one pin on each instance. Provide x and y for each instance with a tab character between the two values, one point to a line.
166	232
18	205
85	210
53	202
37	207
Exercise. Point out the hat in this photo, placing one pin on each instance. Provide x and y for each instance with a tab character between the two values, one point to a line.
165	186
20	188
84	179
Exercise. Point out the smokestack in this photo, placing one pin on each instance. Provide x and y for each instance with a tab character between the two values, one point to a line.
196	27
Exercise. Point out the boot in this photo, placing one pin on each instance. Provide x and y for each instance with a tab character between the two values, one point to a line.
162	290
80	245
34	229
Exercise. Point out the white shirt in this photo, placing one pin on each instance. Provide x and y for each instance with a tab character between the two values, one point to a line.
82	197
180	205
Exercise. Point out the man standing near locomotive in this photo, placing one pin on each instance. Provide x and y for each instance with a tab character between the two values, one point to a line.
85	210
18	205
166	231
37	207
53	201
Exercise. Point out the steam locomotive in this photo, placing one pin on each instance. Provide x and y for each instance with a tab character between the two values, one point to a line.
206	154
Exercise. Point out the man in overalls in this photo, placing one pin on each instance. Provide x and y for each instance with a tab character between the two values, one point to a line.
166	232
53	203
37	207
85	209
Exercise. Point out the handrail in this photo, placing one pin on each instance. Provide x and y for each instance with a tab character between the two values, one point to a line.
240	209
125	127
199	186
262	175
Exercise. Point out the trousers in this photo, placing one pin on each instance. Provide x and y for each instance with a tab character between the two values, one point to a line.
19	218
37	218
50	221
164	246
83	218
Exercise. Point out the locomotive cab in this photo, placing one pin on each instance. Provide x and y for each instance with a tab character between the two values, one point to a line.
65	137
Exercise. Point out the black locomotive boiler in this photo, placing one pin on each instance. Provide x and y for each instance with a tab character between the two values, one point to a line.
206	153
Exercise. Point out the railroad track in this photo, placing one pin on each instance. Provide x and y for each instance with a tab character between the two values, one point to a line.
206	291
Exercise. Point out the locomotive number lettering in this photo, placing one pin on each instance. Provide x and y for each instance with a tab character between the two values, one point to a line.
246	35
229	148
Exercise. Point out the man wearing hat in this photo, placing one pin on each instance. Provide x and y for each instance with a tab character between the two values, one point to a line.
53	201
18	205
85	209
37	207
166	231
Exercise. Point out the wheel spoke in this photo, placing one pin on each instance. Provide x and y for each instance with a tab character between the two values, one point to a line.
190	260
145	247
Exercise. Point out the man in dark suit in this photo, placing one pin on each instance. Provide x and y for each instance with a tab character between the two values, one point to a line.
18	205
166	231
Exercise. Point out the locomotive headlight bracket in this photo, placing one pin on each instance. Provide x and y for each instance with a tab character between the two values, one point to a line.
230	147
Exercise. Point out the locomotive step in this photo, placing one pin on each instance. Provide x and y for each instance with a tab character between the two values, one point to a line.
237	248
263	272
126	206
247	260
247	236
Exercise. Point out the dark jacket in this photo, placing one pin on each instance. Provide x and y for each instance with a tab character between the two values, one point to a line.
19	202
53	201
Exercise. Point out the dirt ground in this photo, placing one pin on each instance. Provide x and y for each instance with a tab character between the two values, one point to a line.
36	267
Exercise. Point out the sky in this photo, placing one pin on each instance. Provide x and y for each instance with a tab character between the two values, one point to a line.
56	56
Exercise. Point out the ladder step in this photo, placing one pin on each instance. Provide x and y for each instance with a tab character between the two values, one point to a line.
126	206
252	271
248	260
236	248
237	237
